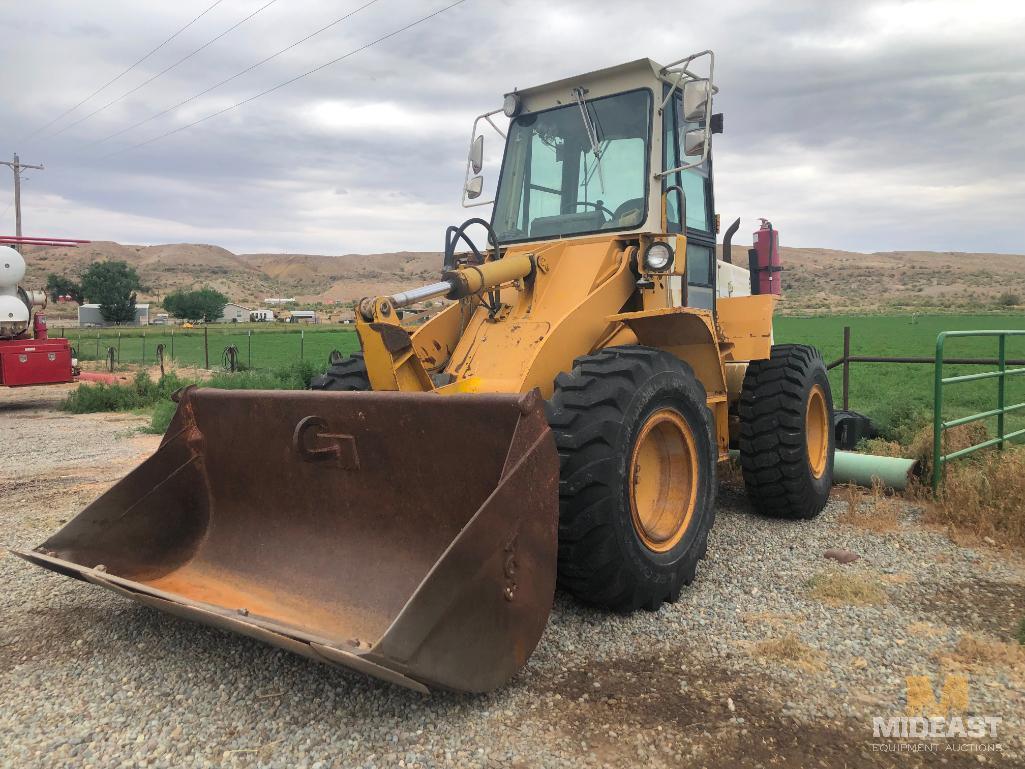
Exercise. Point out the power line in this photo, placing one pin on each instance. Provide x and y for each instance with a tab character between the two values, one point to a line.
289	81
248	69
114	80
164	71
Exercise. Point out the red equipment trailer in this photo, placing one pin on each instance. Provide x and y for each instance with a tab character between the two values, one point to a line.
27	355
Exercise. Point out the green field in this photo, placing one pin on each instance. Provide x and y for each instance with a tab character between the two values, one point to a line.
898	397
260	345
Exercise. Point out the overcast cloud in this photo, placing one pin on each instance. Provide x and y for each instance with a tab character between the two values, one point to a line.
853	125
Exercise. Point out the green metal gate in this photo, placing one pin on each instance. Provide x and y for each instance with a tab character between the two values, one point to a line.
1002	408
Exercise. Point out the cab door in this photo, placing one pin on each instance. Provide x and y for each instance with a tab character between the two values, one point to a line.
697	289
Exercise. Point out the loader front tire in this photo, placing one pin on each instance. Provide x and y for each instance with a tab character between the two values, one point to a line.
637	482
786	437
343	375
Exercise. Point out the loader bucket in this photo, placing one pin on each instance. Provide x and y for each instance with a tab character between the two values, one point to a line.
408	536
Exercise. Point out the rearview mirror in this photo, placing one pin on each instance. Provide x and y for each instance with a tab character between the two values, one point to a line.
694	142
474	187
695	101
477	154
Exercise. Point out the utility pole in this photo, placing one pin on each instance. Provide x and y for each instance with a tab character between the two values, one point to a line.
17	166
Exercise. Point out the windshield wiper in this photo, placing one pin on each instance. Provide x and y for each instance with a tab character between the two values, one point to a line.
592	135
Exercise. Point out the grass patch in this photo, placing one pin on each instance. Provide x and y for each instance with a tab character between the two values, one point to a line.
143	393
982	495
898	397
845	589
731	476
979	498
974	651
790	650
873	511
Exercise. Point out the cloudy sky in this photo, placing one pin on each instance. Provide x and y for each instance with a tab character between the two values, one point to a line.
853	125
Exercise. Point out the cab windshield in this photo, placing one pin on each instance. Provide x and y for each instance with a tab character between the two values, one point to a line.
555	184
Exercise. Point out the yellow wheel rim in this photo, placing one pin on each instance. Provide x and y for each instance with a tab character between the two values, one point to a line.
663	480
816	428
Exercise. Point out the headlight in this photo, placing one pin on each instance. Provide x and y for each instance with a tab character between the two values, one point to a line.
658	257
512	105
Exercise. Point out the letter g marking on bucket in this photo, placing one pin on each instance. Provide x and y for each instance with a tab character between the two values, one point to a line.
325	446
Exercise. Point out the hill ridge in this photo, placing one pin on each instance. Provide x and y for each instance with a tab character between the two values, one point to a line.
814	279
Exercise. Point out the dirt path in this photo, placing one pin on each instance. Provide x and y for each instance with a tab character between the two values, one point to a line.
775	657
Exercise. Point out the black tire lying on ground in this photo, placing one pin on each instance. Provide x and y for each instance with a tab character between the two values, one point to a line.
622	417
786	436
344	374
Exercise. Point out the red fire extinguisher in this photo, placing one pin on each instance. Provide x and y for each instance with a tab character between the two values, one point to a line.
764	261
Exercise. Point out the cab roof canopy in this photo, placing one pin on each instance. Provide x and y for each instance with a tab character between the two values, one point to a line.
642	73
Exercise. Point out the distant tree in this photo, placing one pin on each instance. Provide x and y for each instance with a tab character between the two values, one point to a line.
112	285
59	285
204	304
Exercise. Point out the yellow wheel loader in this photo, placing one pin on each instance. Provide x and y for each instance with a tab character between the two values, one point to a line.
561	419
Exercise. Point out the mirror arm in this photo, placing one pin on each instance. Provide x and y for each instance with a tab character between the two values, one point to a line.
473	135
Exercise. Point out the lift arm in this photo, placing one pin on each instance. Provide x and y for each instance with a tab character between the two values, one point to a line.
392	363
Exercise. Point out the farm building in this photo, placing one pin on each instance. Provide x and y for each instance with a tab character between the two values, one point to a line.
302	316
258	316
89	315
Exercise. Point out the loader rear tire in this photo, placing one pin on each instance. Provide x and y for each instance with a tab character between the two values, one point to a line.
786	437
622	417
344	375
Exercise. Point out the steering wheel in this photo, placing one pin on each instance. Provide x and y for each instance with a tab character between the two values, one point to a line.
598	206
454	234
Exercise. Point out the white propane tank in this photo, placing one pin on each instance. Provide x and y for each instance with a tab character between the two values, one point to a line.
14	313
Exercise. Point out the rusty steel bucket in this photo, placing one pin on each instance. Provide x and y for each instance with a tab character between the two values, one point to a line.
408	536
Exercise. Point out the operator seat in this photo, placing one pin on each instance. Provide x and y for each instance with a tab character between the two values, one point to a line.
627	214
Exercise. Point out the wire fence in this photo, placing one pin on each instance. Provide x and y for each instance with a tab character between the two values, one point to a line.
210	348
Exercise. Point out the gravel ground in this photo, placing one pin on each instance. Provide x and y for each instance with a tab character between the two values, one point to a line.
748	669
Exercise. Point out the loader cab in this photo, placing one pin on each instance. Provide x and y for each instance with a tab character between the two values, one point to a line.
619	150
561	180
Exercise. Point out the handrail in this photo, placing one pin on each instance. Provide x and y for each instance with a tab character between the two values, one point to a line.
939	459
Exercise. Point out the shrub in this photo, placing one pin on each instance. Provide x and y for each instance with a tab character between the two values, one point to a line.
982	495
901	420
1008	299
296	376
161	419
141	393
1021	632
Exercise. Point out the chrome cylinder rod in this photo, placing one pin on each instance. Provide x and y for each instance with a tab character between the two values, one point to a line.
406	298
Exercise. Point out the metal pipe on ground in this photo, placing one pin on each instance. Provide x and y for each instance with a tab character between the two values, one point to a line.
862	469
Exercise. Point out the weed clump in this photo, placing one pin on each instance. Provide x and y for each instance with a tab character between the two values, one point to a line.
845	589
875	511
974	651
983	495
901	420
790	650
142	393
